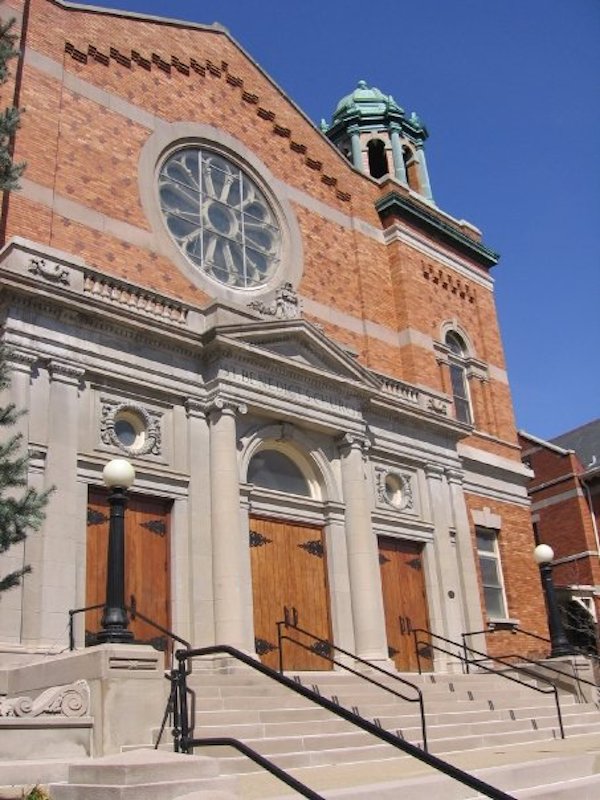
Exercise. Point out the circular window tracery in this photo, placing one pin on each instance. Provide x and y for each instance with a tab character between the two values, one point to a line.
219	218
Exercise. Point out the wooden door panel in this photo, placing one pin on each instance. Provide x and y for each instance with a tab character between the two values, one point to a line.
289	571
405	600
146	561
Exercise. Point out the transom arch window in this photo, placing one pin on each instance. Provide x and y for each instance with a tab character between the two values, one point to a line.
458	376
271	468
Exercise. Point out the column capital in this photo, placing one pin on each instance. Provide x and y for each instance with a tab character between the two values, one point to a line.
62	372
225	406
355	128
20	361
455	476
434	471
195	408
394	127
354	441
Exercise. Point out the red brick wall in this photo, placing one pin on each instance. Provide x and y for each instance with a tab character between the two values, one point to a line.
521	577
88	153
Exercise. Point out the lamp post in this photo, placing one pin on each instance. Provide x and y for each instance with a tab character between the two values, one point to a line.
118	475
559	644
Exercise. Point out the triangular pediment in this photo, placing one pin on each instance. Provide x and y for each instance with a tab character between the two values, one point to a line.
299	343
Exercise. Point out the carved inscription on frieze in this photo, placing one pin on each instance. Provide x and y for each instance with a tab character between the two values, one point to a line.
282	385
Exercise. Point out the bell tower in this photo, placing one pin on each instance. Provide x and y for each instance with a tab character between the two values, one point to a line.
374	133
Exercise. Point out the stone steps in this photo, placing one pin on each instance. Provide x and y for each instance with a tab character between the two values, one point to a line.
465	714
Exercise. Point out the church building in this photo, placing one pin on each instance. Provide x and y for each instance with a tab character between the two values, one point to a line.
295	347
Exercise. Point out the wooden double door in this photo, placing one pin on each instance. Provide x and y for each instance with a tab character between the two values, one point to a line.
289	577
405	602
146	563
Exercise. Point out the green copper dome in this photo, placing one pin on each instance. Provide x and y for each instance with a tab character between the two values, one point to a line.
366	102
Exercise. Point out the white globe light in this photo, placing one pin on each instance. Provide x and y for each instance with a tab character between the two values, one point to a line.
118	473
543	554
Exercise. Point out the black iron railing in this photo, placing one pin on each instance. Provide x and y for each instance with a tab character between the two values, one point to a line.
323	649
516	629
185	742
134	613
462	653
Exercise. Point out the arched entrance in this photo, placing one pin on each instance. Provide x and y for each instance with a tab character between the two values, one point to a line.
289	569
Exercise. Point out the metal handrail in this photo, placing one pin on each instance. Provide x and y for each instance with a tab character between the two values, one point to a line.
72	613
331	646
262	761
485	657
542	665
514	629
184	742
132	609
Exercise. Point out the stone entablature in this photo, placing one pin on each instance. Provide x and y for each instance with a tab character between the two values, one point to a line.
288	359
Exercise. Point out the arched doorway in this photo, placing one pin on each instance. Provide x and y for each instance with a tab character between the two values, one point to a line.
289	568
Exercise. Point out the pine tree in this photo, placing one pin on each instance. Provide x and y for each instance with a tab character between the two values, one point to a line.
21	508
9	117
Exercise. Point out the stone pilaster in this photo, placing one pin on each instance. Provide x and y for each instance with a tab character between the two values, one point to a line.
231	559
17	394
363	557
54	578
466	556
446	564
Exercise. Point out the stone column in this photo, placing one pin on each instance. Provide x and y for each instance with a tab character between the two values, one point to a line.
199	528
339	583
354	132
447	568
399	166
363	557
233	617
17	394
424	174
55	576
466	558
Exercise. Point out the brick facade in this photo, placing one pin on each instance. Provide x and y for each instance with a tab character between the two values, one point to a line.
97	85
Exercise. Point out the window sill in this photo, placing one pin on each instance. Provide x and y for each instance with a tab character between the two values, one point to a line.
502	624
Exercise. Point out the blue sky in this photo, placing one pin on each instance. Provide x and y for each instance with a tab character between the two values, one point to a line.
509	90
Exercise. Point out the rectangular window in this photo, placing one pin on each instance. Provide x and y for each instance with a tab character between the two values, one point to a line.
491	573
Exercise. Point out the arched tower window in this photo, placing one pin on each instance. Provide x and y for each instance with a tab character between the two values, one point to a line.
411	167
378	163
458	377
272	469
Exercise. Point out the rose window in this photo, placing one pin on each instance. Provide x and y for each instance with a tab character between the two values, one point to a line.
219	218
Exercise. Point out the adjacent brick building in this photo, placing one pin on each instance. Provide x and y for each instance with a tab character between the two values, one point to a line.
565	507
297	349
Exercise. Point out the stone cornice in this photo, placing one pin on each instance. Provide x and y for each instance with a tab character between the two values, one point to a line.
395	205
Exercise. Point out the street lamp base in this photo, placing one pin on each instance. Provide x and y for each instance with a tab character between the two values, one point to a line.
561	650
114	636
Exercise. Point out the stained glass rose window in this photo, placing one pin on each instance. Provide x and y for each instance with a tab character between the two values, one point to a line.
219	218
